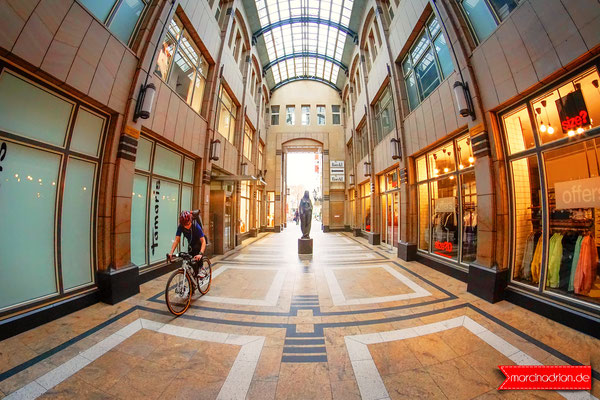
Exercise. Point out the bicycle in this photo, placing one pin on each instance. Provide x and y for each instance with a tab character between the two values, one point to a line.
183	282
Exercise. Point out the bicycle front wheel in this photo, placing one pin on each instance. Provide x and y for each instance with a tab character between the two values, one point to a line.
178	293
204	277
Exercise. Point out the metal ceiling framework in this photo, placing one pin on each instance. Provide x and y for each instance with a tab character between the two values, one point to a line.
304	39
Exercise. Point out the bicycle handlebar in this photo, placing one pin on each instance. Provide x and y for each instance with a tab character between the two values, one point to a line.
181	254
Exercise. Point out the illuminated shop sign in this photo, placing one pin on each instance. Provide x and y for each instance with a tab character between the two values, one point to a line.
572	111
444	246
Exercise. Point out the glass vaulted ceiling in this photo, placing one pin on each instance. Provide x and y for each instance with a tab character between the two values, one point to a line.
297	44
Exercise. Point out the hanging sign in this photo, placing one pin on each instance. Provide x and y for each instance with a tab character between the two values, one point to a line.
573	111
336	164
335	171
445	204
337	178
580	193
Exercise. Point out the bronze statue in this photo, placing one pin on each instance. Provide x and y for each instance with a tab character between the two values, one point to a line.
305	215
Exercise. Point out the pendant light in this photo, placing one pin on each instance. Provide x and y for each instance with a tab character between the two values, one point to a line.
549	129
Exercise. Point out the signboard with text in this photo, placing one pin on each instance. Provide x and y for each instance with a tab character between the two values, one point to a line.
580	193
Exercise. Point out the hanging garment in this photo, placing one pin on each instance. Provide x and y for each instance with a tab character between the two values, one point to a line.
574	263
525	271
536	263
569	242
586	267
554	258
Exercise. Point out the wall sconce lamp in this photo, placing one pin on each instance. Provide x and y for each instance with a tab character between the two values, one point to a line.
396	149
287	191
351	179
244	168
215	150
463	99
143	106
264	173
367	168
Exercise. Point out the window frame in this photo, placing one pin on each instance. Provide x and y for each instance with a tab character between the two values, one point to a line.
197	70
275	114
111	15
248	141
456	175
305	114
539	150
232	113
65	153
321	113
336	113
290	110
424	32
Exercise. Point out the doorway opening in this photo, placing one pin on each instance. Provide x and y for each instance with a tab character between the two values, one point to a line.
304	171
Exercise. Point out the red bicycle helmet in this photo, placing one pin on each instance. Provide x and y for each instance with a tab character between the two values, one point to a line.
185	217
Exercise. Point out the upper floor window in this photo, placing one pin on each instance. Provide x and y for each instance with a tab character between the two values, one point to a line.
248	137
427	63
485	15
227	113
336	116
261	152
274	115
121	17
384	117
305	115
182	66
290	115
320	115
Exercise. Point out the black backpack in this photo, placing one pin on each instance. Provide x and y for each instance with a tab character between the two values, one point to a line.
198	218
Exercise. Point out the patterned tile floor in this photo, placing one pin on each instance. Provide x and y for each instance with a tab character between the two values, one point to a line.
352	321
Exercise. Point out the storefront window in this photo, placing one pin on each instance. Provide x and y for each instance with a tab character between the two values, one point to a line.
444	222
245	207
48	186
365	206
448	201
389	207
469	217
564	259
573	190
271	209
155	209
569	110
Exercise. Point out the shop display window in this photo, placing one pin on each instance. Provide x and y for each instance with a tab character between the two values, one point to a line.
389	203
271	209
556	190
569	110
448	201
48	187
162	188
573	197
365	206
244	207
518	130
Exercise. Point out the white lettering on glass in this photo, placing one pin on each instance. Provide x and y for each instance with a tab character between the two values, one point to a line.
580	193
154	244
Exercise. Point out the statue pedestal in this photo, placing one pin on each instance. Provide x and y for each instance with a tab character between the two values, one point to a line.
305	246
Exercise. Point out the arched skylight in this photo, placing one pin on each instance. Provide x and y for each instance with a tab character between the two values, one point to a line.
303	28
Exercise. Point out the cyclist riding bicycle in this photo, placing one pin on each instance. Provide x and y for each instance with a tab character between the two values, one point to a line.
192	231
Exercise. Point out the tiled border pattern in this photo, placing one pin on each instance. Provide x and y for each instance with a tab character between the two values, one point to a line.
369	380
236	384
271	297
340	300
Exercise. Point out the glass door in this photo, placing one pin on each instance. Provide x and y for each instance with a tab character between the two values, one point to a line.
396	219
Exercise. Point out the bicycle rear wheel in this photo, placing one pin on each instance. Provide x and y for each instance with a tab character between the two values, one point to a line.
204	281
178	293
